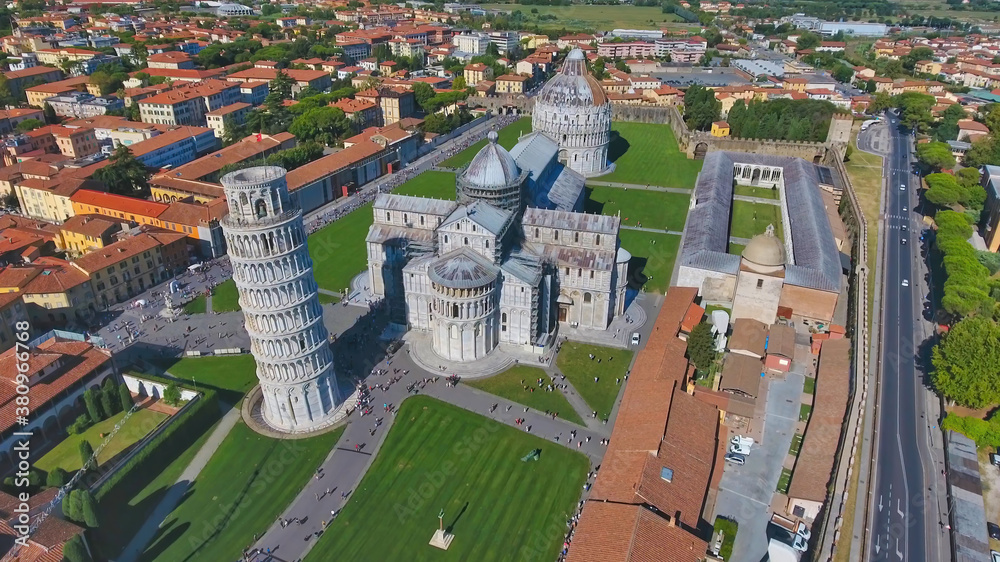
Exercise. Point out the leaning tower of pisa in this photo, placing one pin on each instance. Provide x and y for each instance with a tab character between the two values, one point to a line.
278	294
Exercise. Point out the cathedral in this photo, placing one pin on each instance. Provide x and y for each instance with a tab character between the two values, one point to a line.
513	256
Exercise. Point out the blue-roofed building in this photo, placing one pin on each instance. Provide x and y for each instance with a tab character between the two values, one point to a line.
801	271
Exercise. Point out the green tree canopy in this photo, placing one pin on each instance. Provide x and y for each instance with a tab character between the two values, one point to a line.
701	346
936	155
325	125
124	175
29	125
701	108
808	40
967	363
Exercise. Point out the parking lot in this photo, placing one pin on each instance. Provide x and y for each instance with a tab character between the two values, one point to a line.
745	492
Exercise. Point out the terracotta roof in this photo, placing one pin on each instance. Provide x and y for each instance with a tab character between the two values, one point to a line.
169	56
692	317
612	532
233	107
191	214
179	95
328	165
184	73
114	253
89	225
349	105
271	73
12	277
120	203
54	276
781	341
166	139
742	374
77	361
29	72
247	148
748	335
814	466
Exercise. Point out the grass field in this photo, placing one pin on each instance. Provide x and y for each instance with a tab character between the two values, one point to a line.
225	297
196	306
650	209
729	530
438	456
232	376
595	18
865	171
235	497
508	385
328	299
751	219
338	250
123	511
652	264
736	249
646	153
574	362
432	183
66	455
759	192
508	138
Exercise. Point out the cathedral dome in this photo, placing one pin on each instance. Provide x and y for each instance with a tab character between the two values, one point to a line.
574	85
492	167
462	269
765	249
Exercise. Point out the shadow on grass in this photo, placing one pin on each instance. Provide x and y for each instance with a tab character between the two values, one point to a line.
451	526
617	147
590	205
636	278
164	541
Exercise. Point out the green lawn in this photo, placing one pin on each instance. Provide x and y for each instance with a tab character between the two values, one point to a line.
225	297
810	386
713	307
438	456
574	362
231	375
196	306
729	530
751	219
508	385
650	259
127	506
247	483
804	411
650	209
338	251
784	480
593	18
66	455
432	183
647	153
507	138
736	249
759	192
796	445
328	299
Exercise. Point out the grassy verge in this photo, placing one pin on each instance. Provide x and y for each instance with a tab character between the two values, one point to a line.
509	385
231	376
784	480
338	250
729	528
751	219
328	299
810	385
796	445
438	456
653	257
507	138
196	306
640	207
66	454
865	171
647	154
804	411
574	361
225	297
432	183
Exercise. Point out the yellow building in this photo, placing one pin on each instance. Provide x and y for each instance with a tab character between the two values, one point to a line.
123	269
49	199
475	73
84	233
720	129
511	84
12	310
54	57
927	67
534	41
55	293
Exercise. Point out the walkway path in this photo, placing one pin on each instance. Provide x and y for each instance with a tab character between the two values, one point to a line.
761	200
173	497
208	303
638	186
343	470
653	230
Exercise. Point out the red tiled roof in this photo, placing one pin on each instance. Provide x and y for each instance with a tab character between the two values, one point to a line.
612	532
120	203
113	253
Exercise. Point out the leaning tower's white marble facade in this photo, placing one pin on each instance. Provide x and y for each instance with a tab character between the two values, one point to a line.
278	294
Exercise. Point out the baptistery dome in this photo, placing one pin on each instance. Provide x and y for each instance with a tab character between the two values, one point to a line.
573	110
492	177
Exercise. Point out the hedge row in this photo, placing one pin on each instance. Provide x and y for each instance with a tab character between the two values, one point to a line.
166	446
986	433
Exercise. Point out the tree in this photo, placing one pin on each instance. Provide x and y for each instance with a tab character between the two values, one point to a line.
124	175
172	394
232	133
807	40
6	96
75	509
50	114
422	92
965	363
88	508
985	151
29	125
944	190
458	83
916	109
936	155
701	346
109	399
325	125
125	397
74	550
880	102
700	107
92	402
86	452
281	86
56	478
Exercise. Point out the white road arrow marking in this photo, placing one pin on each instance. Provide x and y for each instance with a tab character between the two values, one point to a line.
880	503
899	507
899	553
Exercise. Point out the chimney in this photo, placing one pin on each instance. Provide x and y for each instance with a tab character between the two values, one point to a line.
671	522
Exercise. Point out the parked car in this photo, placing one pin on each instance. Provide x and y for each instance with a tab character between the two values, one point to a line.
742	440
739	448
994	459
736	458
906	282
635	338
802	531
994	530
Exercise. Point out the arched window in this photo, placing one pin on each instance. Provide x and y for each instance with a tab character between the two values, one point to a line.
576	237
555	235
598	239
503	322
244	202
454	311
421	220
586	298
487	244
465	241
445	238
261	209
388	216
536	233
405	218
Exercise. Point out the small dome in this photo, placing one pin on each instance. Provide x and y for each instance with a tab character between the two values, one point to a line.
462	269
765	249
492	167
574	85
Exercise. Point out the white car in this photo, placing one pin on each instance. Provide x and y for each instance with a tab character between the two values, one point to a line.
739	448
902	188
635	338
742	440
906	282
995	555
904	209
803	531
800	544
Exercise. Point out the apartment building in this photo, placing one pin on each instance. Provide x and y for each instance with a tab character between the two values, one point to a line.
410	48
54	292
188	106
472	43
235	113
361	111
175	60
175	146
317	79
84	233
475	73
54	57
510	84
51	199
80	105
37	94
121	270
17	80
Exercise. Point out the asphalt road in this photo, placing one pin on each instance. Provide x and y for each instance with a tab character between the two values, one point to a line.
898	516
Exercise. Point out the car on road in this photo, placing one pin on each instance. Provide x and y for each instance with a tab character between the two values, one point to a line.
906	282
635	338
904	227
902	188
994	459
902	241
904	209
994	530
736	458
739	448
